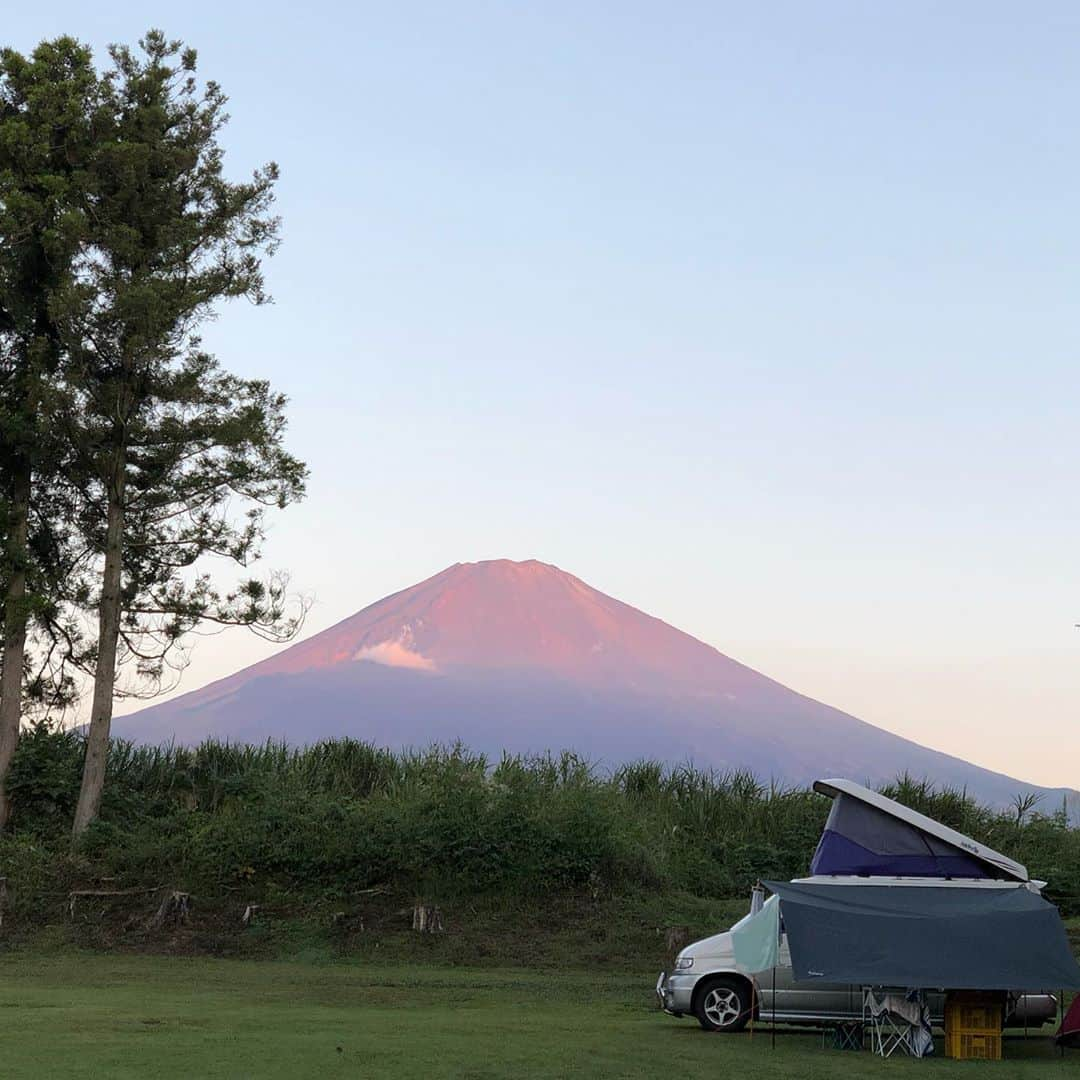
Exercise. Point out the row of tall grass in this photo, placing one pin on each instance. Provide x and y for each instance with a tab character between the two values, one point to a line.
341	817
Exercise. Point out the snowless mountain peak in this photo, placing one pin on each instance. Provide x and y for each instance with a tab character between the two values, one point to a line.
501	615
523	656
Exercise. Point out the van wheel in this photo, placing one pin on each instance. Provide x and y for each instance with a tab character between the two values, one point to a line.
723	1005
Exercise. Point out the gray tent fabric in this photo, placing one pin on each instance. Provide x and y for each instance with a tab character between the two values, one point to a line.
862	840
926	936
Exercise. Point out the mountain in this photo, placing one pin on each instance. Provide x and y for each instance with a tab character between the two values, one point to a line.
522	656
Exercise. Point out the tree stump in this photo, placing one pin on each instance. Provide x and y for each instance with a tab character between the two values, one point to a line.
249	914
174	910
344	923
427	919
677	937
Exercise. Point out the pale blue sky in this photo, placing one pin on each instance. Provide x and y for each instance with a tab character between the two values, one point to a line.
761	317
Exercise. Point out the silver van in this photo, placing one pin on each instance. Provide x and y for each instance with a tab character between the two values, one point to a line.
868	839
708	984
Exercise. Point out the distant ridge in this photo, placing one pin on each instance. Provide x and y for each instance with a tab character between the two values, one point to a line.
522	656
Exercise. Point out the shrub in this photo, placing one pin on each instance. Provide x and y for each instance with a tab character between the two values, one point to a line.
343	816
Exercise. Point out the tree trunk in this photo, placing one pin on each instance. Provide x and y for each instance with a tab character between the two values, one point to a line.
15	620
109	612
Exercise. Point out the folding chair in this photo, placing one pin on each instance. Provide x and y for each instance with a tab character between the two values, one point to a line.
843	1035
848	1035
890	1031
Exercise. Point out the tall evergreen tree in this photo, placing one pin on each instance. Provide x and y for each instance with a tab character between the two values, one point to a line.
48	117
168	441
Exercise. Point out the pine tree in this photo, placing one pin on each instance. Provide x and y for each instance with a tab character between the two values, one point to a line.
168	442
48	115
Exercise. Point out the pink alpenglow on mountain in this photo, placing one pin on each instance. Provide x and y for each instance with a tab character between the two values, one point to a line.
524	657
512	616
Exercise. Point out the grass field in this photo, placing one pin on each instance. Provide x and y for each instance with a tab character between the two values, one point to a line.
136	1016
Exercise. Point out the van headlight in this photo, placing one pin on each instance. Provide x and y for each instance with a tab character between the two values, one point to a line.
683	962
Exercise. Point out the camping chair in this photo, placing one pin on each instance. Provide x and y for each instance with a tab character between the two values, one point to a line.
843	1035
889	1019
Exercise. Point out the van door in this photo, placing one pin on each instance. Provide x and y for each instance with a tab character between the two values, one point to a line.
805	1000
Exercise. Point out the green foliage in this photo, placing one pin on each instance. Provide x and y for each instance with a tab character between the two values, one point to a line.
337	818
44	777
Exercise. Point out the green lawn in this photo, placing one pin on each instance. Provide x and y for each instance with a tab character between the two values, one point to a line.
147	1017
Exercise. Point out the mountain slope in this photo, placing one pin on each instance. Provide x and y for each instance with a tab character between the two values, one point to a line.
525	657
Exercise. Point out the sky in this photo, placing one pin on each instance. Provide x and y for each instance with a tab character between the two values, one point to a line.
759	317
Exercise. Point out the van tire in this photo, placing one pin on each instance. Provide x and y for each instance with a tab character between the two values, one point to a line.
723	1004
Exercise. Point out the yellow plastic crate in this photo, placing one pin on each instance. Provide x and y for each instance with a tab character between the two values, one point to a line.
973	1045
974	1017
973	1023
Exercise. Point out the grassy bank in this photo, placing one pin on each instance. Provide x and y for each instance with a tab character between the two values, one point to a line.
560	890
80	1016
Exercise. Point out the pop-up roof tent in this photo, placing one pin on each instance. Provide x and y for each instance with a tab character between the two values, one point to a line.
967	917
868	834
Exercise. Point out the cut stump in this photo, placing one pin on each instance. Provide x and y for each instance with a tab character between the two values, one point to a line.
677	937
173	911
427	919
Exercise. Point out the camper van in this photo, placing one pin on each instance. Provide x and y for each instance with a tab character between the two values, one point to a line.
868	839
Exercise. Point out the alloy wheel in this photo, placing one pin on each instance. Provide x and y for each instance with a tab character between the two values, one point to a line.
722	1006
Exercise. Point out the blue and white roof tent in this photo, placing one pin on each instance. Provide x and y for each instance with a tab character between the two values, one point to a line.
869	835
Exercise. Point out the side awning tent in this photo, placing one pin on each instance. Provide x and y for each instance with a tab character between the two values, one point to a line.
870	835
982	938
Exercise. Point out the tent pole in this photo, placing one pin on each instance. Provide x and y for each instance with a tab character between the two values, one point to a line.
774	1007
